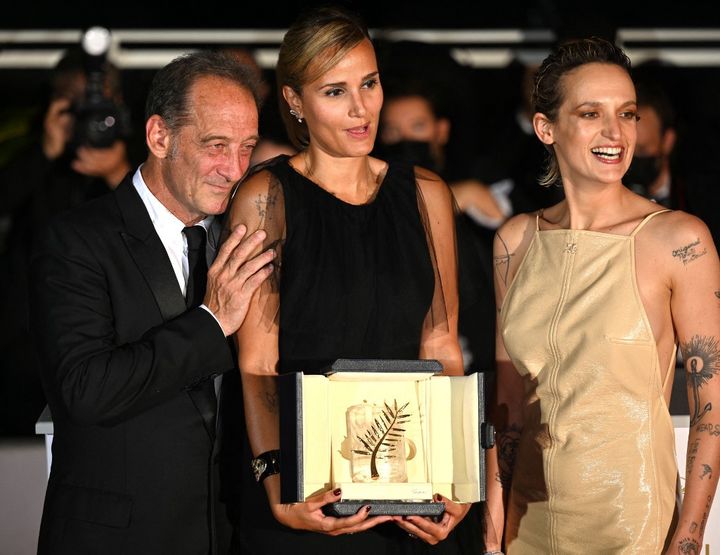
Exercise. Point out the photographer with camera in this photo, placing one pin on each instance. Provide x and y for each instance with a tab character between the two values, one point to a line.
76	156
86	119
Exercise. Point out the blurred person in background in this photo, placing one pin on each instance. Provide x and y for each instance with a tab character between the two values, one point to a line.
414	129
514	159
650	173
59	169
273	137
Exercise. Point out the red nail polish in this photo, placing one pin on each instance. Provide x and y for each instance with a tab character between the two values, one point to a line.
337	491
367	509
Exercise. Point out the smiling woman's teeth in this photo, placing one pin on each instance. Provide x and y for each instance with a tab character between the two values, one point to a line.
610	153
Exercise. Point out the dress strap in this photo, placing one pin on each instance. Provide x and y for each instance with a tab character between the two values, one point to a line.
537	219
646	219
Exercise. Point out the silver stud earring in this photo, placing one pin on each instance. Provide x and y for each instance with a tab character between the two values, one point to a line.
294	114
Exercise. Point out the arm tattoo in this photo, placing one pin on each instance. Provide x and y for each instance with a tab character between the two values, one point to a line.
270	401
702	362
508	441
707	471
503	259
693	527
688	546
691	454
689	253
266	203
712	429
703	523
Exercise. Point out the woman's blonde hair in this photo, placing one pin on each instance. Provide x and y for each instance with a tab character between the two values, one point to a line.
313	44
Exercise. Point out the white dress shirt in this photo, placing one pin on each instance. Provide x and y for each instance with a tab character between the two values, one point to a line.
170	230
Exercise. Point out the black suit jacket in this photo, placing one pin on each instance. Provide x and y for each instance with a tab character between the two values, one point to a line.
133	459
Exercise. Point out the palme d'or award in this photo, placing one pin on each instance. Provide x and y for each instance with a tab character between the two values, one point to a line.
388	433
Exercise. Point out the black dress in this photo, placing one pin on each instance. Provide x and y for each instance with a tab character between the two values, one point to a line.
356	281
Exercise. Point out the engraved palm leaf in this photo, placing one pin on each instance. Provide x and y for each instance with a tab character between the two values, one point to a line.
382	438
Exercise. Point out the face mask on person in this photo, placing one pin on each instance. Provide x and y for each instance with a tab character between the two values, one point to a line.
643	172
410	152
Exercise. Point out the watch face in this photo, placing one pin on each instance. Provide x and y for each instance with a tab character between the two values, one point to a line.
258	467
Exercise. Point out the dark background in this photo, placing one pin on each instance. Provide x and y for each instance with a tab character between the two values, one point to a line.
449	14
476	99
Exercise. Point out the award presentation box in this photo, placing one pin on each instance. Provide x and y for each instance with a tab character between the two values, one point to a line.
389	433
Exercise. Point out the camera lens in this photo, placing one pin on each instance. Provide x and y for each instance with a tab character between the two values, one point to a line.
99	120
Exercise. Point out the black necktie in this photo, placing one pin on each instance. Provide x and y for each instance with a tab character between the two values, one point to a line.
197	266
204	393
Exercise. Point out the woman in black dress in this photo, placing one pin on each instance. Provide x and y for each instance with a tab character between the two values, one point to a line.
366	268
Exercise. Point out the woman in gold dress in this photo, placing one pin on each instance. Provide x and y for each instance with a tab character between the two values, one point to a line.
594	294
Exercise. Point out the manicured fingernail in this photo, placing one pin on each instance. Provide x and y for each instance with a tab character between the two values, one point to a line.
367	509
337	491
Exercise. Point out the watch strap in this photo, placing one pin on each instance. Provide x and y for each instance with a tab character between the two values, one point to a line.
266	464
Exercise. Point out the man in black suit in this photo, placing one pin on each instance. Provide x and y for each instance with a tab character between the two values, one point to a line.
128	356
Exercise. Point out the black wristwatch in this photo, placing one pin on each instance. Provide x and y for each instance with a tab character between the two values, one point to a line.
266	464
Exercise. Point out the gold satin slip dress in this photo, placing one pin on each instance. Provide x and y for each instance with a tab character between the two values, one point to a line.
595	470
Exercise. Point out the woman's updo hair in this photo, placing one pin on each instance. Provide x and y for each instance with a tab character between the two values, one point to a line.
314	43
547	95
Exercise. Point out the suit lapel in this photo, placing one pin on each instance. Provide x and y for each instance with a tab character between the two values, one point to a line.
148	252
214	237
150	255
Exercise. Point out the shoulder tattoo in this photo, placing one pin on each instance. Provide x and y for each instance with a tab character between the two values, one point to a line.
265	203
689	253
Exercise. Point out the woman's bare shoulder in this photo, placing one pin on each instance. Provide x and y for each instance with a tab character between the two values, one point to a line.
430	183
676	226
516	229
425	175
258	184
675	236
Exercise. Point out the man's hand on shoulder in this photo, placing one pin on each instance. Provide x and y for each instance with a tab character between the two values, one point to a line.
234	277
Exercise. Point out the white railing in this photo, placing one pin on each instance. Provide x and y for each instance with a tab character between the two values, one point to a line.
480	48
